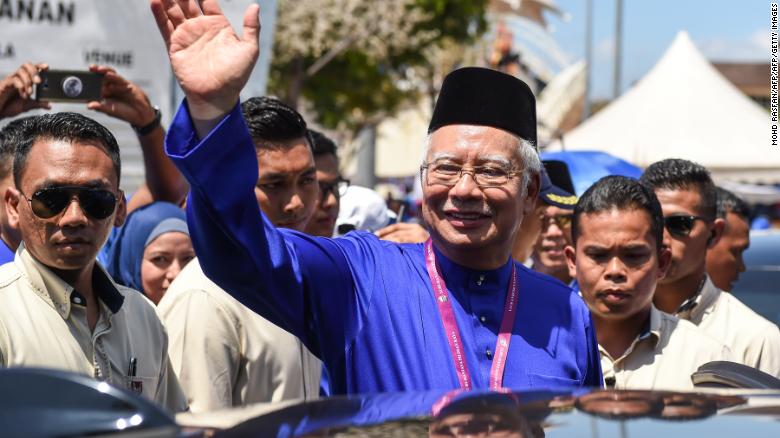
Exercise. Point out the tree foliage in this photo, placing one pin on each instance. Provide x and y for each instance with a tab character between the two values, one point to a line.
352	62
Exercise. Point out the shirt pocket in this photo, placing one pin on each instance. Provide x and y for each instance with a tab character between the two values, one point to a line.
549	382
145	386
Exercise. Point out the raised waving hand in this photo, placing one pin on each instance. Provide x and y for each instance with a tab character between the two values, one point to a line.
211	62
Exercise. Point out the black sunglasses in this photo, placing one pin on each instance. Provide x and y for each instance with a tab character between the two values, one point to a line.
49	202
680	225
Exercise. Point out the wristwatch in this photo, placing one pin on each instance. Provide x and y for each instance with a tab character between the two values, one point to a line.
151	126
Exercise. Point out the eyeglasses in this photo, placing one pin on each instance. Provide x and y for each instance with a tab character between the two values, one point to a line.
49	202
680	225
338	188
448	174
561	220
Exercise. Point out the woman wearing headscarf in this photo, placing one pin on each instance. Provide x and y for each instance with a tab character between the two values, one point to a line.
150	249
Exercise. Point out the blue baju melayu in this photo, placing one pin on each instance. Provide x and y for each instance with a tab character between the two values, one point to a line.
366	306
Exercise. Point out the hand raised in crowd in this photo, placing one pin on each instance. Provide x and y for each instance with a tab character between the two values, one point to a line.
211	62
17	88
126	101
403	232
122	99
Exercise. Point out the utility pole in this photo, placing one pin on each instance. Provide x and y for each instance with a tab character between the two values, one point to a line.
588	57
618	47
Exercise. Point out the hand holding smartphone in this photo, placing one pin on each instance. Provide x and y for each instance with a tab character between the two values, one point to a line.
69	86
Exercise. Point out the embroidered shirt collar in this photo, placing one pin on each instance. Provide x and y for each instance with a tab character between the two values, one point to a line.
59	294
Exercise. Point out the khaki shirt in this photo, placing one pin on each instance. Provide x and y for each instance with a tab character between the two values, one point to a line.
662	357
43	323
225	354
753	340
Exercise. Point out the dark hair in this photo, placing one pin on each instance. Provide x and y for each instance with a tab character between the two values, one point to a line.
321	144
679	174
9	138
620	193
272	122
63	126
728	202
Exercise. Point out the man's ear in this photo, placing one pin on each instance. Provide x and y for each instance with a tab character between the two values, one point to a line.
716	232
571	260
532	194
11	199
121	210
664	261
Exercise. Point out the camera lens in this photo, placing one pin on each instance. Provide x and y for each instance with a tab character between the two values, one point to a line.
72	86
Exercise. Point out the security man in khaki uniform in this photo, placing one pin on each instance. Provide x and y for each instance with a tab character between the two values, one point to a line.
225	354
689	202
617	260
58	307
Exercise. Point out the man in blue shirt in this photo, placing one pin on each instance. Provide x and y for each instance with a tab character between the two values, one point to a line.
456	312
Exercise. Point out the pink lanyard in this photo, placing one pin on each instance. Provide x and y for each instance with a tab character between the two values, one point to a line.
453	333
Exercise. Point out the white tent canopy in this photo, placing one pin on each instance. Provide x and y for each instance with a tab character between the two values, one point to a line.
684	108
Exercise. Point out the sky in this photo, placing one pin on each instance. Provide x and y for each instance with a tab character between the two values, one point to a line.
724	30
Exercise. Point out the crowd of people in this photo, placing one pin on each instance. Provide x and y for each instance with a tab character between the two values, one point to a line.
219	283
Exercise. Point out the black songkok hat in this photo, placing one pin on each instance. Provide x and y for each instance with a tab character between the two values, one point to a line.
480	96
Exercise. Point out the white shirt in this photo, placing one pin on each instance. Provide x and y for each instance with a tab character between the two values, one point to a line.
225	354
43	323
752	339
663	356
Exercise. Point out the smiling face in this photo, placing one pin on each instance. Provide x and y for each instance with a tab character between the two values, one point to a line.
70	240
555	235
287	184
476	225
616	262
163	259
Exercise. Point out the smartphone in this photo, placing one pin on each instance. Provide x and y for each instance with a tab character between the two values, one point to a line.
69	86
